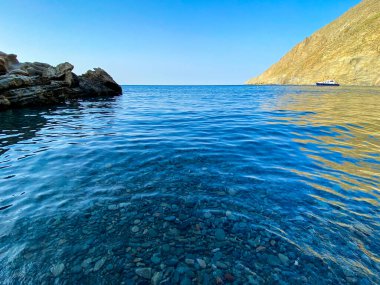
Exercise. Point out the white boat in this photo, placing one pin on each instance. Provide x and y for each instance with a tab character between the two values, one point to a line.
328	83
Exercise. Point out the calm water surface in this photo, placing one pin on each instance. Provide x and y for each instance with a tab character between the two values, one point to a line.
194	185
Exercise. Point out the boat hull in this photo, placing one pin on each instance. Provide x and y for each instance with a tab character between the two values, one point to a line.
327	84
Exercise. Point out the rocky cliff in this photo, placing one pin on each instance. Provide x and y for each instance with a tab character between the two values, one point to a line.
347	50
34	84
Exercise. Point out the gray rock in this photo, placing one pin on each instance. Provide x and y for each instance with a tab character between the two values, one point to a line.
284	259
172	261
170	218
14	81
59	71
155	259
100	83
220	234
182	269
18	72
123	205
112	207
201	263
273	260
86	262
157	276
135	229
34	84
57	269
185	281
109	267
7	62
221	265
144	272
99	264
255	242
217	256
166	248
76	269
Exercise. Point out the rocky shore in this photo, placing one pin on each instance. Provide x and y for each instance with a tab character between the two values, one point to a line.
36	84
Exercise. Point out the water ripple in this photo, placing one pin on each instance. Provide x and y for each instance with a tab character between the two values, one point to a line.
283	182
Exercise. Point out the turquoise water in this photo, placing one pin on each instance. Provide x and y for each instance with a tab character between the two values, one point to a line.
194	185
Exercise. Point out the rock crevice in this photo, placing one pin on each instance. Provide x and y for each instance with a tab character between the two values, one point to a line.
37	84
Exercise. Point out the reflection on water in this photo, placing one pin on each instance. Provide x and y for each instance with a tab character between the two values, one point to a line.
194	185
348	147
18	125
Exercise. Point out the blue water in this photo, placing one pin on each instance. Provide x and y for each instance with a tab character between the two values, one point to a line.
194	185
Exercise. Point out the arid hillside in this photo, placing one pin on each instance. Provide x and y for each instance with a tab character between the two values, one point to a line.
347	50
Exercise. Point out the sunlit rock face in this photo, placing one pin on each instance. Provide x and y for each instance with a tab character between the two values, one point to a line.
7	62
36	83
347	50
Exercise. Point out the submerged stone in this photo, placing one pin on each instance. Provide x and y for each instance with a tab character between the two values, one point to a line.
201	263
170	218
112	207
57	269
273	260
157	277
155	259
220	234
284	259
186	281
255	242
99	263
135	229
144	272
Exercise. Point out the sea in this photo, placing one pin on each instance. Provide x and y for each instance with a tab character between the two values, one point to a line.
193	185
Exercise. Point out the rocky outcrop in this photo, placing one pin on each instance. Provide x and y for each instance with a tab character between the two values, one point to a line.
347	50
7	62
35	84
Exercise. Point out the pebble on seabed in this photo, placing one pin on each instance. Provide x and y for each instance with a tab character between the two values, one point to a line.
220	234
201	263
144	272
57	269
135	229
184	247
99	264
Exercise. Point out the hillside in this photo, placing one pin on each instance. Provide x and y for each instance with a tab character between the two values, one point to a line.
347	50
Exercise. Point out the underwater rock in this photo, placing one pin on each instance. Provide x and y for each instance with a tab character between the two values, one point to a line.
144	272
57	269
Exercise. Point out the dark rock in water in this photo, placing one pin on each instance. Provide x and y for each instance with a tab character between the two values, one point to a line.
36	84
99	82
273	260
284	259
170	218
220	234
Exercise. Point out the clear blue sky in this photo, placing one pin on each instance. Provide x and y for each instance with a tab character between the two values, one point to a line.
163	41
